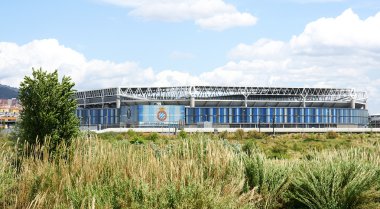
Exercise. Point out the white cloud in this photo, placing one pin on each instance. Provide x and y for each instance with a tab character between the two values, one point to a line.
16	61
224	21
330	52
346	32
321	56
208	14
263	49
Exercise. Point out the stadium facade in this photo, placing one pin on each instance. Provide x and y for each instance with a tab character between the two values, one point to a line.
222	106
374	121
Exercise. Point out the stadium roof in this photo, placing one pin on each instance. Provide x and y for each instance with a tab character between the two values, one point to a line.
224	96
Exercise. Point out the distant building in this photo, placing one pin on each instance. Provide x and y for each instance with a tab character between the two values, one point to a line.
222	106
9	111
374	121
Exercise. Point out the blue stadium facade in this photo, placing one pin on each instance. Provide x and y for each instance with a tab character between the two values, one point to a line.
220	106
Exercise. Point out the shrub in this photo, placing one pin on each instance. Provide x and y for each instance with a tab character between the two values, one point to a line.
182	134
131	133
239	134
311	137
332	135
137	140
269	179
333	184
256	135
278	152
223	135
153	137
110	136
249	147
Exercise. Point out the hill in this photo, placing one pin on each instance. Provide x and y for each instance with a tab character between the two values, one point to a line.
7	92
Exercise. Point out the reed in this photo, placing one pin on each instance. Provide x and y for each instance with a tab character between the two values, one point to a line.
194	172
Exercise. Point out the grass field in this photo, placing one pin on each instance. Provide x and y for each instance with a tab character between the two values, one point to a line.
227	170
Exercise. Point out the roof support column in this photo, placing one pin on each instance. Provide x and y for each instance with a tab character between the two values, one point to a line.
192	101
191	94
118	100
353	101
304	100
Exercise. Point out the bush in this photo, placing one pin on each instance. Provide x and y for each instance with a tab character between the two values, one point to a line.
333	184
256	135
153	137
278	152
332	135
269	180
110	136
223	135
239	134
137	140
249	147
131	133
311	137
182	134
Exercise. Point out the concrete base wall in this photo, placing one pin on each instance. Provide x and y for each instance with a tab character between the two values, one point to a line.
266	130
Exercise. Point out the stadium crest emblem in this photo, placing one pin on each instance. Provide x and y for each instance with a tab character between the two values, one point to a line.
162	115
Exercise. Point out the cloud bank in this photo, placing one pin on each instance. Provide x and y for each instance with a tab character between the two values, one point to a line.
331	52
208	14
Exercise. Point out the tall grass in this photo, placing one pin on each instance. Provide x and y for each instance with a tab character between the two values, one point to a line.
184	174
337	180
195	172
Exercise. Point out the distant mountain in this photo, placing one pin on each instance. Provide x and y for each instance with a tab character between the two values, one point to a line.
7	92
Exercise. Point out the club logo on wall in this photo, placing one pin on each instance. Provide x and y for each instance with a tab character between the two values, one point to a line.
129	114
161	114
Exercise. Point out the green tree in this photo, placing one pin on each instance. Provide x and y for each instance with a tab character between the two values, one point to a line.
48	109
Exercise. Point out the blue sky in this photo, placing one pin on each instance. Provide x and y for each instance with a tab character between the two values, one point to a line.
104	43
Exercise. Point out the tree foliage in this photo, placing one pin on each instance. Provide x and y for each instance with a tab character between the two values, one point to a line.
48	108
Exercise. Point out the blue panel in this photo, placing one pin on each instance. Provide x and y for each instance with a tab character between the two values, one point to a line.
262	115
341	116
334	116
249	115
254	115
238	114
307	115
215	115
109	116
278	115
291	115
219	118
227	115
197	112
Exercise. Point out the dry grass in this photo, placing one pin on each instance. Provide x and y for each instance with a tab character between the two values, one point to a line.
183	174
197	172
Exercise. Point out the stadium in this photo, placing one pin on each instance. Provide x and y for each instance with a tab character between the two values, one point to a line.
222	107
374	121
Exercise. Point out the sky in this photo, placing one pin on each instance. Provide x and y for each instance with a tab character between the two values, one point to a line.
281	43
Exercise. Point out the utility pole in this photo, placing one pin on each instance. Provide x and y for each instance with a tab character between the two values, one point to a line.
273	121
88	124
259	124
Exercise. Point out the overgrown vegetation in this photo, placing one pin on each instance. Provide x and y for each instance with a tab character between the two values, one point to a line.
137	170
